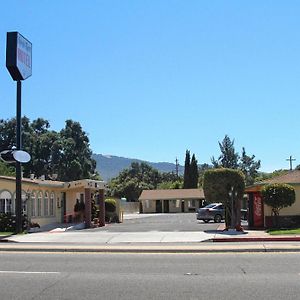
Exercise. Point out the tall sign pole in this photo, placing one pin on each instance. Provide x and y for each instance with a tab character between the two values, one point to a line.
18	205
19	65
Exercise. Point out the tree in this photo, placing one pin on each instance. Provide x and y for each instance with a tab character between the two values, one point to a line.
44	148
167	185
130	182
76	156
186	176
194	174
6	170
231	159
201	169
191	174
278	196
226	186
64	153
228	158
249	167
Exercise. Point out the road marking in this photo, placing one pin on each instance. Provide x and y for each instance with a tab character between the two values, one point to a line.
27	272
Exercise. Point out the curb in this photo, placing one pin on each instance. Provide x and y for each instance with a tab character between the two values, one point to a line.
148	249
257	239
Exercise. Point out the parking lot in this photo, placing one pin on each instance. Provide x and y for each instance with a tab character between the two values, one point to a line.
161	222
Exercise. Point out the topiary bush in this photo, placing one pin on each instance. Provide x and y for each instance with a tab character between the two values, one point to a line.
278	196
218	184
110	205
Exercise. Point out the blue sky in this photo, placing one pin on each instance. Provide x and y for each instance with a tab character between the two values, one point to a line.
150	79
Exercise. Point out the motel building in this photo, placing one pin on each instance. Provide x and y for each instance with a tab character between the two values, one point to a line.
171	201
47	202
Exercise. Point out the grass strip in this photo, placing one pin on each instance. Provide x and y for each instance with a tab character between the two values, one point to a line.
284	231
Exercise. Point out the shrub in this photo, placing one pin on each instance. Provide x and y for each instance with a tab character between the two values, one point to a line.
8	222
111	217
278	196
76	206
110	205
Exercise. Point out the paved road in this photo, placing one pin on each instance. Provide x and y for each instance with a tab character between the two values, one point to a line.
162	222
149	276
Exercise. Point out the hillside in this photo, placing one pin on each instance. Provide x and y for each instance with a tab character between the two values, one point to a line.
110	166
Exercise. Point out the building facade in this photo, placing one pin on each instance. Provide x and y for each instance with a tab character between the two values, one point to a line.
171	201
260	215
45	202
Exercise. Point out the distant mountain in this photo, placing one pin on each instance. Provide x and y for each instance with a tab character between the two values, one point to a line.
110	166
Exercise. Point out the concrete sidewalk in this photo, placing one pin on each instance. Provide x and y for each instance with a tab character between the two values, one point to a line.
90	240
251	236
93	237
59	238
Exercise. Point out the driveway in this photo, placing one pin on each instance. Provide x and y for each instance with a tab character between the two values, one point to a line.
160	222
141	229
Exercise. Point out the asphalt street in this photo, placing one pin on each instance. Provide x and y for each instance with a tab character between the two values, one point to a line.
149	276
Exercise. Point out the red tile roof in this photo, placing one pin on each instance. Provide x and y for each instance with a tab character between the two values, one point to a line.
292	177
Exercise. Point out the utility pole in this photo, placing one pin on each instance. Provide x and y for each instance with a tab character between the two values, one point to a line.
291	162
177	167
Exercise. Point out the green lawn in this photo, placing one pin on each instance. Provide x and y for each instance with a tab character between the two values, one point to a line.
284	231
5	233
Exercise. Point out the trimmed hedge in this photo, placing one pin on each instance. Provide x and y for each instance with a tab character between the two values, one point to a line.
110	205
111	215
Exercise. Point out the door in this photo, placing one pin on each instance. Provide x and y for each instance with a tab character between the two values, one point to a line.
158	206
258	214
63	207
166	206
182	206
256	211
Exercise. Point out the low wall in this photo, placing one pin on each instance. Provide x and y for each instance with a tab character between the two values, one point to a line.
129	207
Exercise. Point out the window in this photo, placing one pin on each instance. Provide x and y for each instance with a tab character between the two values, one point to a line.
5	202
46	204
8	206
147	204
52	201
33	200
24	204
2	205
39	204
177	203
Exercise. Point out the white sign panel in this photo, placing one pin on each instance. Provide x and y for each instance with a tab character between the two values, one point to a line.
24	56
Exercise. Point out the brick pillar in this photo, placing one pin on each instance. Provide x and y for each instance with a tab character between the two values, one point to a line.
101	208
88	207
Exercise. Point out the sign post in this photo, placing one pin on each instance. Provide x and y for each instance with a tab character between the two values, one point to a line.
19	65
